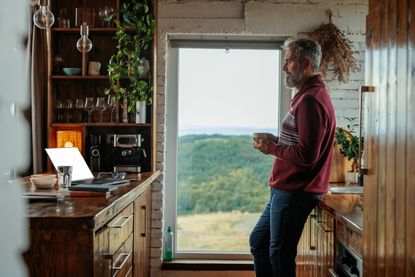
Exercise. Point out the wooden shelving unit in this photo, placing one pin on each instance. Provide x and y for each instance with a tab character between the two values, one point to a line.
62	52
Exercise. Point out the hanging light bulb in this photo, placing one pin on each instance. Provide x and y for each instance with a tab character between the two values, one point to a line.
43	17
84	43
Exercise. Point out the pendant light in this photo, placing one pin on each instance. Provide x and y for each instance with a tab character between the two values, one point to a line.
84	43
43	18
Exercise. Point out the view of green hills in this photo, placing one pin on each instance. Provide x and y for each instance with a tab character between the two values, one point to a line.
220	173
222	190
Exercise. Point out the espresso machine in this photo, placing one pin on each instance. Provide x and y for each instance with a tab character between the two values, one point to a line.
121	152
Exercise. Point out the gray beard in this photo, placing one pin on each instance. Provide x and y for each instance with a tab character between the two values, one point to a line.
292	81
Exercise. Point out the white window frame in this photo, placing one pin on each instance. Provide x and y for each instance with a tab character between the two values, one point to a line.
171	100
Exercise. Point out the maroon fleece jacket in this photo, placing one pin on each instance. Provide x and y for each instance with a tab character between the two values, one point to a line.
303	152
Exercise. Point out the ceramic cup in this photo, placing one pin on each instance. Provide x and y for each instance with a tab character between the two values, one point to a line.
262	136
94	68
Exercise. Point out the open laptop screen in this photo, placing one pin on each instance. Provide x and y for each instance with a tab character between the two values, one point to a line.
70	156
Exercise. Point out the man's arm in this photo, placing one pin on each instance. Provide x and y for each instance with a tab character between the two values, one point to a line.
312	124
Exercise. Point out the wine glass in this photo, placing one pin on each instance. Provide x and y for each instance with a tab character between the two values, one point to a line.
79	104
112	106
68	105
89	107
107	12
101	106
102	16
59	110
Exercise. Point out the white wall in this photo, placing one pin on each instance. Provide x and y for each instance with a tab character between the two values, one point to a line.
244	17
14	146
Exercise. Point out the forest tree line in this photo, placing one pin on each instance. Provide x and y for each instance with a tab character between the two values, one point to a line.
221	173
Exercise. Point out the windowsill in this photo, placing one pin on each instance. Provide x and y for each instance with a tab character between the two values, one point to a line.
183	264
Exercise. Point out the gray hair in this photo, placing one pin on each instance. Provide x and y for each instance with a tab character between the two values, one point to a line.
305	48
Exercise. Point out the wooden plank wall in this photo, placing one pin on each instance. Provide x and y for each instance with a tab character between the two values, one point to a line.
389	199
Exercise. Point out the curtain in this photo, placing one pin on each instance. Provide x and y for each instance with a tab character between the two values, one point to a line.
38	95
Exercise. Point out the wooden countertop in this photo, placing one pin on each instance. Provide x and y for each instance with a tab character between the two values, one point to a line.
91	212
347	208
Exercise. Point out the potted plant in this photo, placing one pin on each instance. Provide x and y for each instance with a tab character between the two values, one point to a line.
348	141
129	60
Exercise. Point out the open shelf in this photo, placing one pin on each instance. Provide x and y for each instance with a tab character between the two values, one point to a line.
87	77
91	30
96	124
100	77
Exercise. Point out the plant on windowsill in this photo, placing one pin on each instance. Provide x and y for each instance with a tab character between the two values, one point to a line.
129	60
349	145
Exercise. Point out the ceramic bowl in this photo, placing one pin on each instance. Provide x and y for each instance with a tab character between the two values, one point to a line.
43	181
71	70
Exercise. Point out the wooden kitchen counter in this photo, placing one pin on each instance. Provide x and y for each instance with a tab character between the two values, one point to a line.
348	208
92	211
92	236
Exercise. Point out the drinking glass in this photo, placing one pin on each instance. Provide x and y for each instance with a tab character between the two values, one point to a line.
68	106
59	110
101	106
64	176
79	105
101	17
112	106
89	107
108	11
63	19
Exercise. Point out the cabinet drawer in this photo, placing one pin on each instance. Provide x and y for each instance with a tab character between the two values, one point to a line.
122	261
120	228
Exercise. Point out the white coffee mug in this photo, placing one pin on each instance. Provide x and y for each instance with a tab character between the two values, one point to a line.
94	68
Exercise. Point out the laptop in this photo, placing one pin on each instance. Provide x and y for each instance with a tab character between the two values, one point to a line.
81	174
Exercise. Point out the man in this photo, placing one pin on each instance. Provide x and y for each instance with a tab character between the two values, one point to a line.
301	169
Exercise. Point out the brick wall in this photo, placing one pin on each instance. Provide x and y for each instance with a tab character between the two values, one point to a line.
244	17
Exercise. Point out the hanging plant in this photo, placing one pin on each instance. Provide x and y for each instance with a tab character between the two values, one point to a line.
337	53
128	59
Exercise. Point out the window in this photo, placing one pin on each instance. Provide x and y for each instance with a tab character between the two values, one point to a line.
216	183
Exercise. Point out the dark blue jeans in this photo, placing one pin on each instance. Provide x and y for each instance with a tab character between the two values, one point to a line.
274	239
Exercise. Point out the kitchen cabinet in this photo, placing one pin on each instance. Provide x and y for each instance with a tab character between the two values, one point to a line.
142	230
67	96
93	236
315	253
333	228
324	232
306	250
389	247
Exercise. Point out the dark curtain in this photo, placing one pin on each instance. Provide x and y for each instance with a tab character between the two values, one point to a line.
38	95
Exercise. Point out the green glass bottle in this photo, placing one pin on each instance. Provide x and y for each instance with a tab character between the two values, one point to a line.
168	245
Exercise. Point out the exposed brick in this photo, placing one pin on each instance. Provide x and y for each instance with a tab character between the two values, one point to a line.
155	252
157	204
157	195
214	9
156	215
156	233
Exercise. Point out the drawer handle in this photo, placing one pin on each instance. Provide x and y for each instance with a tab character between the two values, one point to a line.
144	220
312	238
126	257
123	220
332	272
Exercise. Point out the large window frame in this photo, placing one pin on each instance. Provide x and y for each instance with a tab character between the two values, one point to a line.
171	148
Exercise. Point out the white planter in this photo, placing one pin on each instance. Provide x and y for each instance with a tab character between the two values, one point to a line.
352	177
140	115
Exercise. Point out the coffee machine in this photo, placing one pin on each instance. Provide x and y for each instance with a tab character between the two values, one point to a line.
94	154
122	153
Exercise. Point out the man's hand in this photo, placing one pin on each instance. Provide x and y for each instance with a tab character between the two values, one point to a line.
261	145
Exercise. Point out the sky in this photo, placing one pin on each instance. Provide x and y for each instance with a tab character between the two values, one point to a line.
235	89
